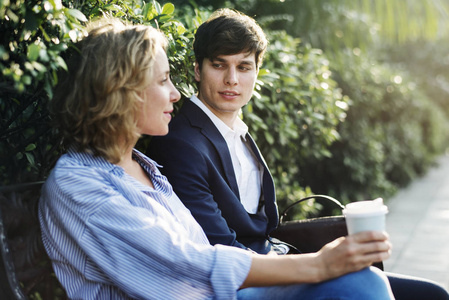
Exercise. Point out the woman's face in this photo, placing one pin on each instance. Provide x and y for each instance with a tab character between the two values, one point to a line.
158	97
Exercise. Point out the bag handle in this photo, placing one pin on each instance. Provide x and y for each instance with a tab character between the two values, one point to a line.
284	214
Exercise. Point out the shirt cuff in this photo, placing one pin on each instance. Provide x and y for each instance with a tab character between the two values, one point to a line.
232	266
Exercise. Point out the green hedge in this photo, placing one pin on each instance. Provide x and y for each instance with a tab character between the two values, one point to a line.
392	134
34	34
343	125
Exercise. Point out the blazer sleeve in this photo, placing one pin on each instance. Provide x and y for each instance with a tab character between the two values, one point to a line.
190	171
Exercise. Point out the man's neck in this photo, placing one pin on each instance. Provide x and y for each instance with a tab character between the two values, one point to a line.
227	117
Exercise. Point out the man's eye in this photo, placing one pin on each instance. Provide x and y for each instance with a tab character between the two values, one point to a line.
245	68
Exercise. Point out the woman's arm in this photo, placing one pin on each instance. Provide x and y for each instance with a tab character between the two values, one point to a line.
342	256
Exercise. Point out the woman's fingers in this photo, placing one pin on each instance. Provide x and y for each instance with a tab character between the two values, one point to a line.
354	252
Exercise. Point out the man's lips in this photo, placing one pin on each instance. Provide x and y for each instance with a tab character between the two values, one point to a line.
229	94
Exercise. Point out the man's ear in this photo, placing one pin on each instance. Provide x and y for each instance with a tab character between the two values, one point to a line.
197	72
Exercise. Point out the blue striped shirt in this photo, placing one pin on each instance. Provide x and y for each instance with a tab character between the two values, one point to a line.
111	237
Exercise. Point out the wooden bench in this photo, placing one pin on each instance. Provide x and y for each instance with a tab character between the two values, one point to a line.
25	269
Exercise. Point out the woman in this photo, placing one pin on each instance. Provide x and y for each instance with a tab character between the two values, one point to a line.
110	221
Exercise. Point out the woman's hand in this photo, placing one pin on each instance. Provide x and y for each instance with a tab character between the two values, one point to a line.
341	256
353	253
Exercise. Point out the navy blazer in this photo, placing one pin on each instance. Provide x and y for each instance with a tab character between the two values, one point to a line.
196	160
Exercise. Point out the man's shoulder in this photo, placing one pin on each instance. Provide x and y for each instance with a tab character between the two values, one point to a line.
188	115
190	129
181	131
190	121
181	127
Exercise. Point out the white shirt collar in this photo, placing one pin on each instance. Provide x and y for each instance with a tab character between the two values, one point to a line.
240	128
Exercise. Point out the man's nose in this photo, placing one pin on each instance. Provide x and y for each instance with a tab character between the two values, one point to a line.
231	77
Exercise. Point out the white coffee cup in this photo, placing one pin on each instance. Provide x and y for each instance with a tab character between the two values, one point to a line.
366	215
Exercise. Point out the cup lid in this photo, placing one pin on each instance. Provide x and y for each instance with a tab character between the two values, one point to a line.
364	208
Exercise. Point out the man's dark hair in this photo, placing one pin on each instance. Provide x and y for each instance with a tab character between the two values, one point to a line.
229	32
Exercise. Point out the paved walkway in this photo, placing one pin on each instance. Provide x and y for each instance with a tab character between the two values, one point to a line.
418	224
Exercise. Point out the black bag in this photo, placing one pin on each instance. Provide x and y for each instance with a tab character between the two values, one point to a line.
310	235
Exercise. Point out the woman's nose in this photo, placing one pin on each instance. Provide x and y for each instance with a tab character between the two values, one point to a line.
175	94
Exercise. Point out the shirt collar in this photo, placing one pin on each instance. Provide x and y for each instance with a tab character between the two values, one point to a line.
87	158
240	128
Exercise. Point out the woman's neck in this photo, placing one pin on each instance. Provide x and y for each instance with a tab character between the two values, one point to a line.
133	168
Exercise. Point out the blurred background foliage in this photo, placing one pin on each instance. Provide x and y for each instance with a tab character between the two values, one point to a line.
351	101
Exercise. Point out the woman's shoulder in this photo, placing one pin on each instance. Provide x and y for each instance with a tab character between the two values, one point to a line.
81	171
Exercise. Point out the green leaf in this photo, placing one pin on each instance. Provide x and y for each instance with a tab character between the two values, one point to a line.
58	47
168	9
30	158
147	12
112	7
77	14
26	79
12	16
61	62
158	7
44	33
180	29
30	147
269	138
33	52
163	19
39	67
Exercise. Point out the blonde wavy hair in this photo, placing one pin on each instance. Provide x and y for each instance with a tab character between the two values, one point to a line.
97	104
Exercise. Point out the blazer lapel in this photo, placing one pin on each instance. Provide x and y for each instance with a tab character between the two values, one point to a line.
198	118
268	190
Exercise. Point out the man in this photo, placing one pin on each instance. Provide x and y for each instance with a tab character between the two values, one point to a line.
208	156
210	159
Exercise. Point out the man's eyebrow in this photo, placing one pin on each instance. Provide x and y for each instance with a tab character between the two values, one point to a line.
218	59
243	61
247	62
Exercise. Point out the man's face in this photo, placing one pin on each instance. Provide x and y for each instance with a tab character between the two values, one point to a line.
227	83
